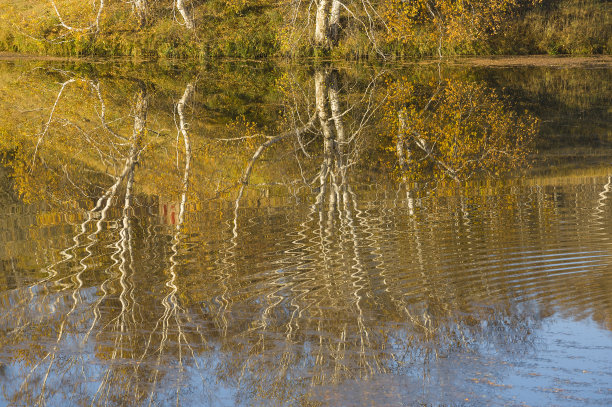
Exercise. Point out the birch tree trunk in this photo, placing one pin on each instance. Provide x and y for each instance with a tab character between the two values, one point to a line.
140	7
334	22
321	23
180	5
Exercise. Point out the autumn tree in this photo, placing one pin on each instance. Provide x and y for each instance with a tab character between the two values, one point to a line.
95	13
323	24
446	21
441	22
77	17
140	9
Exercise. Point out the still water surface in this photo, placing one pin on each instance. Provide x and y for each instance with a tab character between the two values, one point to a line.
243	234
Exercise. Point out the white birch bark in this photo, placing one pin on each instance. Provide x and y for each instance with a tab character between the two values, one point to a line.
141	12
94	26
180	5
321	22
334	21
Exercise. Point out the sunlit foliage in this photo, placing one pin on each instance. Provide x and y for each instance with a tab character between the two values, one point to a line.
445	21
259	28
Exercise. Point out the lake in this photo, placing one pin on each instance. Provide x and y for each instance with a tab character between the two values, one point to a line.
337	234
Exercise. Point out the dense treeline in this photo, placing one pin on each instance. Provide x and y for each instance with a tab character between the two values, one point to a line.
345	29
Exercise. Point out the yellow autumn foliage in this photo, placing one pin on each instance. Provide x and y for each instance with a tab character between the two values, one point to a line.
446	21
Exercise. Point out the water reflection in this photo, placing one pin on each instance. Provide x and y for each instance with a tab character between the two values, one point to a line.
455	128
166	257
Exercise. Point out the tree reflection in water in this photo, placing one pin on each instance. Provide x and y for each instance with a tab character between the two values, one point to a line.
340	316
224	298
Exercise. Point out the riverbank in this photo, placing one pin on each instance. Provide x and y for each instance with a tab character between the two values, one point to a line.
245	30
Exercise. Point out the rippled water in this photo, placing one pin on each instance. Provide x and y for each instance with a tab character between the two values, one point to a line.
195	282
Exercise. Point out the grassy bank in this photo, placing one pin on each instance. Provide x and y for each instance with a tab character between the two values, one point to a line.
244	33
577	27
229	28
